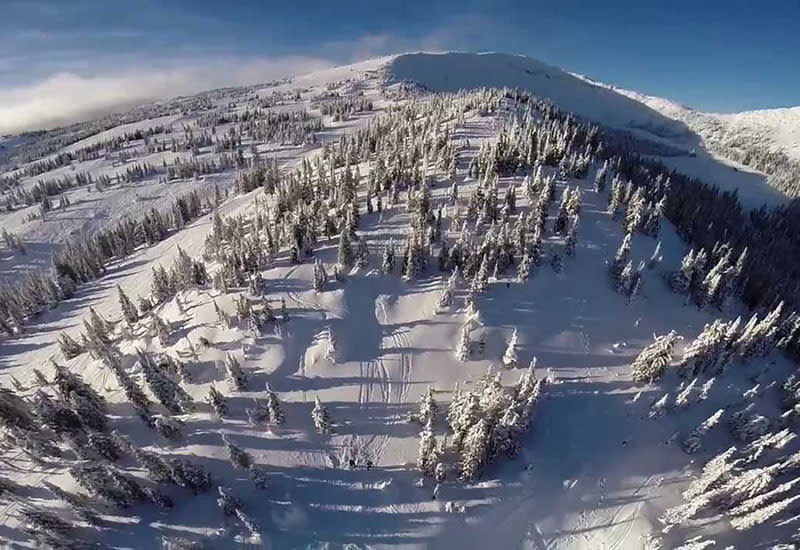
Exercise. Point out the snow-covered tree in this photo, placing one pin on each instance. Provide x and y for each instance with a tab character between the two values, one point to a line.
320	276
651	363
428	456
322	419
524	268
387	262
463	351
510	356
69	346
695	439
475	449
218	402
362	254
572	237
237	379
238	456
167	391
129	311
621	258
273	405
427	407
445	298
344	256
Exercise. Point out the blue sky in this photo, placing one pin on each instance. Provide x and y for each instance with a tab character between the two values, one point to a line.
712	55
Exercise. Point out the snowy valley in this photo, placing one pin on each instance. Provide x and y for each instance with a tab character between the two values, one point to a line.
426	300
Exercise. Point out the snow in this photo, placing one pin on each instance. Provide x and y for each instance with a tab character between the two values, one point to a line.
651	118
595	471
778	129
455	71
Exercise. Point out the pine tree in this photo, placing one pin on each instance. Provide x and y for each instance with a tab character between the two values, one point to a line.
445	299
129	312
654	359
621	258
238	456
362	254
524	268
427	407
237	379
258	477
50	529
167	391
321	417
474	453
79	503
344	255
273	406
481	281
160	329
428	455
563	215
320	276
600	178
706	353
69	346
695	439
761	515
572	238
510	356
463	351
387	263
218	402
170	428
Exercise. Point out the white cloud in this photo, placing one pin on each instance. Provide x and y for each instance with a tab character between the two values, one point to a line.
66	97
120	82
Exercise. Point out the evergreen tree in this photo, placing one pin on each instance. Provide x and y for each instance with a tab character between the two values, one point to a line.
651	363
463	351
238	456
167	391
344	255
362	254
237	379
428	455
69	346
621	258
129	312
222	316
218	402
387	263
427	407
563	215
474	453
572	237
321	417
273	406
320	276
510	356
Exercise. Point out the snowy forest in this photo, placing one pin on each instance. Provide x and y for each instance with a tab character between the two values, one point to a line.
358	297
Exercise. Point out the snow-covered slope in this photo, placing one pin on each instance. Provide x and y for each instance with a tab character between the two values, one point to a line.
776	129
600	463
455	71
682	138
